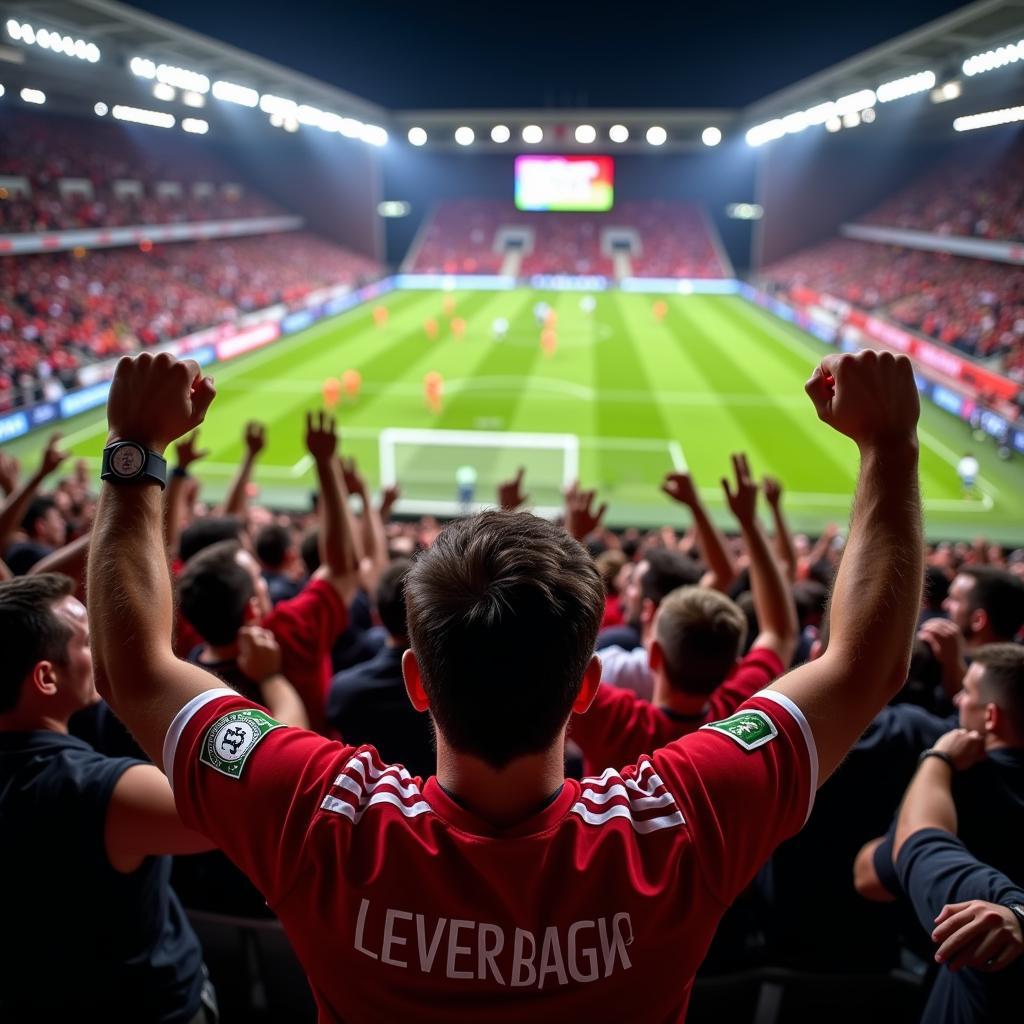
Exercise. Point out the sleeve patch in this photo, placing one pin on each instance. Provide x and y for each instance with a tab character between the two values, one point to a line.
750	729
232	738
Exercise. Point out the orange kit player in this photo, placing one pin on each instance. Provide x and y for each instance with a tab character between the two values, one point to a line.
351	382
380	315
549	342
430	327
433	386
332	392
448	305
458	326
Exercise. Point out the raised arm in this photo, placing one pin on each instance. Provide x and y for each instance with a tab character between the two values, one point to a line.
339	561
255	440
928	802
773	598
870	397
153	400
784	549
259	658
177	490
710	542
69	560
14	509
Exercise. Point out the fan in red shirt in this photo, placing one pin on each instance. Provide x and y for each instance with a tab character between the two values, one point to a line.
498	889
697	636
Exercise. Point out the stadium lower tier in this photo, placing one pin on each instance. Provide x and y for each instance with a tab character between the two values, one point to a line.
617	389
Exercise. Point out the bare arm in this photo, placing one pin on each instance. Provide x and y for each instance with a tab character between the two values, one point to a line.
928	802
177	489
152	400
784	548
872	398
259	658
773	598
338	556
142	821
710	542
71	560
14	509
283	702
374	542
255	440
865	878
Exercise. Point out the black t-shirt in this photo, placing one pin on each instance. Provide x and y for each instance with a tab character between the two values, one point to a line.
368	704
934	869
989	798
815	867
80	939
626	637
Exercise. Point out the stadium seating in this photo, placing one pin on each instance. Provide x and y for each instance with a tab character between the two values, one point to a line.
961	197
975	306
68	173
61	311
673	240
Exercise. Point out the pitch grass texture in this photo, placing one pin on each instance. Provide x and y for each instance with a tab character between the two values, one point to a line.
644	395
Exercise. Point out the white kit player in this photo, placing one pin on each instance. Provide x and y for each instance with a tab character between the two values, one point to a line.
967	469
499	329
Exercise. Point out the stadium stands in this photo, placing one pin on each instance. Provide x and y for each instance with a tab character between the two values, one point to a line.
975	306
61	311
661	238
65	173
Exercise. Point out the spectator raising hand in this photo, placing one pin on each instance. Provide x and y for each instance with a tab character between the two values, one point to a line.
743	501
510	492
254	440
710	542
580	518
187	452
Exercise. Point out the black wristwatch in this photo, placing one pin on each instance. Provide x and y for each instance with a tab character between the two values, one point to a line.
1017	909
940	754
127	462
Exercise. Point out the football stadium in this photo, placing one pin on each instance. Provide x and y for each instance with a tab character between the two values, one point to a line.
489	542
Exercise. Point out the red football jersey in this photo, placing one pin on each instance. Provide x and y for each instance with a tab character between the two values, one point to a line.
306	627
620	726
402	905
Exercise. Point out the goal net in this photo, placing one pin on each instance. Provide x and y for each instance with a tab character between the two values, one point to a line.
445	472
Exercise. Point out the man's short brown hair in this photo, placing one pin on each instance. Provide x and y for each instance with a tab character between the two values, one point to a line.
503	613
700	633
1003	680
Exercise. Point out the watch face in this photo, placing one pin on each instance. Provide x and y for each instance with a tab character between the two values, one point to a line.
127	460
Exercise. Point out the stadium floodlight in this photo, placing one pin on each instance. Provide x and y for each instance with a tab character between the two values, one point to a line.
101	109
947	91
195	125
229	92
2	90
417	137
907	86
330	122
291	124
766	132
656	135
988	119
533	134
163	91
350	128
744	211
464	135
833	124
271	104
193	99
795	122
138	115
182	78
500	133
819	113
33	96
711	136
585	134
392	208
55	42
990	60
867	116
851	120
374	135
142	67
618	133
855	102
312	117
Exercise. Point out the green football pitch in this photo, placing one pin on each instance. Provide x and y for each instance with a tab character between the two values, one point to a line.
626	398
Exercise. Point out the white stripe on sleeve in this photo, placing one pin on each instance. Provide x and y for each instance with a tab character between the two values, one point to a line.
181	719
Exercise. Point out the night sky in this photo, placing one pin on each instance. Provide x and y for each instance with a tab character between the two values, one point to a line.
542	54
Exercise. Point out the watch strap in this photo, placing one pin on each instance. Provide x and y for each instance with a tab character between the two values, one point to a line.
154	466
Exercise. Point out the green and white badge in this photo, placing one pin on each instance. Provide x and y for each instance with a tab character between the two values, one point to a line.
233	737
750	729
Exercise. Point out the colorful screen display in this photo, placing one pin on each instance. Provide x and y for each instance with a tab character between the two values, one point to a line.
564	182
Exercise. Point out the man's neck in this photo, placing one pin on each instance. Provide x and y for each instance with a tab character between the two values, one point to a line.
505	797
677	701
29	721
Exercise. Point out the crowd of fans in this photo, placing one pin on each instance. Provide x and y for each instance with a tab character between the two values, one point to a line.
664	239
974	306
967	195
312	616
66	173
61	311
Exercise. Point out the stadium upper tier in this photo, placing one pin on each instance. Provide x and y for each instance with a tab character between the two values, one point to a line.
59	312
639	239
62	173
963	197
975	306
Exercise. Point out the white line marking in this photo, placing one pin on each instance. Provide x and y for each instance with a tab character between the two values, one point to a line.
675	451
302	465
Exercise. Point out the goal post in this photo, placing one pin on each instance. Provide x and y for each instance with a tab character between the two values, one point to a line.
445	472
